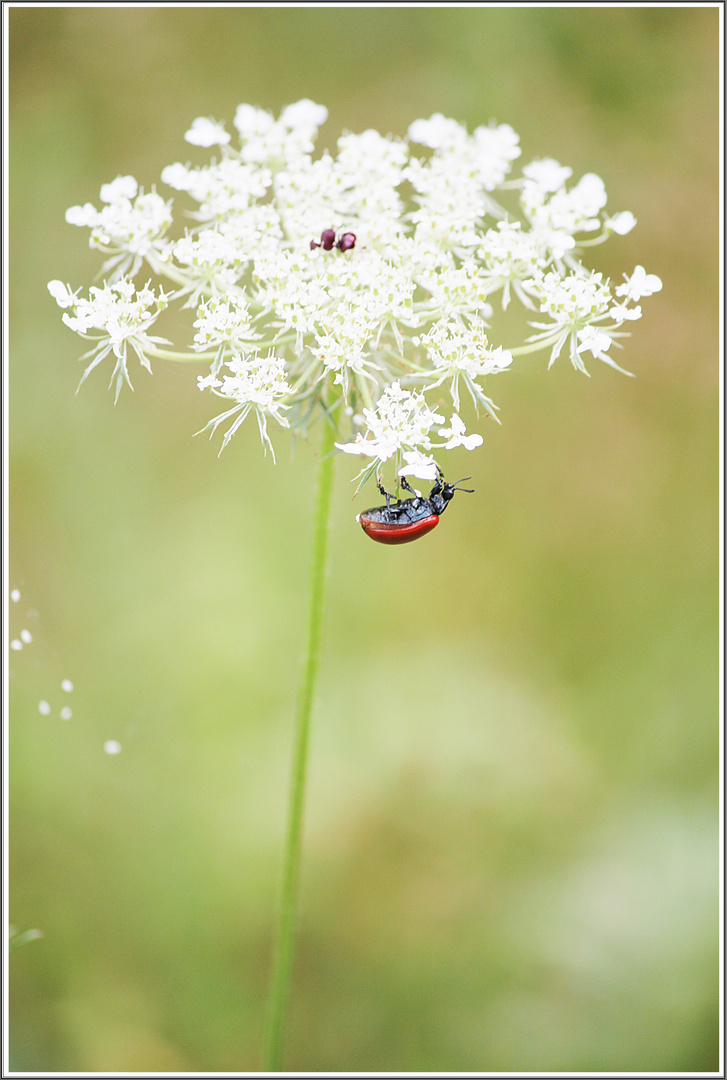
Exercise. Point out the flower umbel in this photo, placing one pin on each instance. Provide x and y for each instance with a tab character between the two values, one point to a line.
118	316
255	383
131	226
401	421
358	282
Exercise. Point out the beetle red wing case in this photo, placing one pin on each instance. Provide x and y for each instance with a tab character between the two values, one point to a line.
385	533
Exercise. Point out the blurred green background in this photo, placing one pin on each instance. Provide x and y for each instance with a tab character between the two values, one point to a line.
511	851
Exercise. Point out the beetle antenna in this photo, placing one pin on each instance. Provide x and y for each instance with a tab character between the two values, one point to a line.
470	491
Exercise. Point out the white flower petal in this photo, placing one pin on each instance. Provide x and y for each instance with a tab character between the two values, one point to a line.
206	132
86	215
419	465
61	294
123	187
621	223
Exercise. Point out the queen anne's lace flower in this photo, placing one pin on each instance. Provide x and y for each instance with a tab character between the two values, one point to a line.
456	434
639	284
401	421
575	305
461	351
117	316
283	141
377	328
222	189
204	132
255	383
131	226
621	223
224	323
512	257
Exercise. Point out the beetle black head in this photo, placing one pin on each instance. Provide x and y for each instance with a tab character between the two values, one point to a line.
442	492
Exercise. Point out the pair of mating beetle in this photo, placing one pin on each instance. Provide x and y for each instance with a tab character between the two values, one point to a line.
404	520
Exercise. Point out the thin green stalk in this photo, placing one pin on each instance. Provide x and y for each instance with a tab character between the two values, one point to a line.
536	346
286	928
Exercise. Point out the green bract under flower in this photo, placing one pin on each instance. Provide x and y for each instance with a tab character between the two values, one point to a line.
356	283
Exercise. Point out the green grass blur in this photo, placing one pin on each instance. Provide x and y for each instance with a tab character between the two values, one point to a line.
511	852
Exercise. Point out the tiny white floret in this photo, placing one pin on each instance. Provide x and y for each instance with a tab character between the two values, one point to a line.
419	465
548	174
82	215
639	284
593	340
621	223
123	187
63	297
457	437
206	132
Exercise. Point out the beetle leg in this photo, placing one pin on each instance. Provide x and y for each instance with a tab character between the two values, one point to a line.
384	492
406	485
439	484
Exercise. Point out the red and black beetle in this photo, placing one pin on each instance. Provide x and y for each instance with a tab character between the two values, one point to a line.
404	520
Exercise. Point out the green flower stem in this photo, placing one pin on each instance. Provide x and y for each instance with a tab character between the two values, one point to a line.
537	346
286	929
22	939
205	358
187	357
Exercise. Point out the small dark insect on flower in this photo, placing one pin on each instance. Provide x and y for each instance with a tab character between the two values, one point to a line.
345	242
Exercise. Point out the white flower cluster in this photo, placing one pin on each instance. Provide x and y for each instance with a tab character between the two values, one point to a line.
130	227
118	317
255	382
357	282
